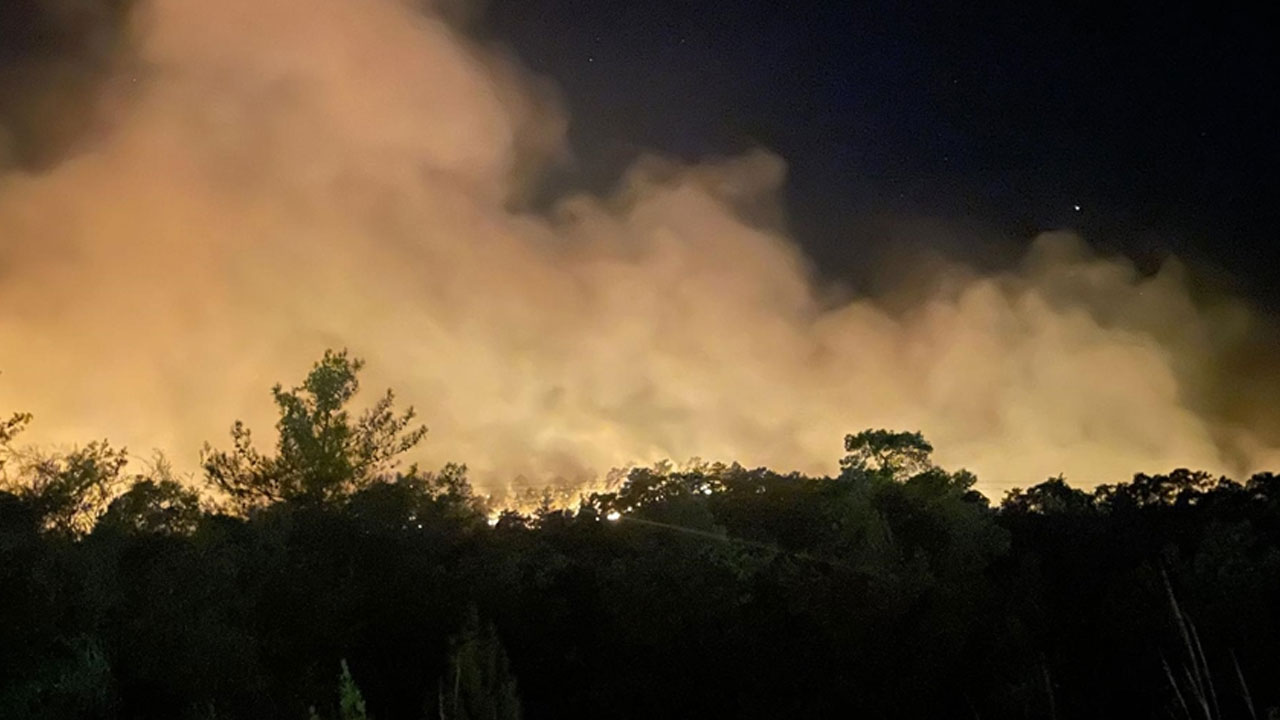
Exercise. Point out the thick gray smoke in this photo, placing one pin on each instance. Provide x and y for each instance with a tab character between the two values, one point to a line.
274	177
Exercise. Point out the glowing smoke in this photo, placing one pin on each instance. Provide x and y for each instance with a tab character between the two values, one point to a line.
274	177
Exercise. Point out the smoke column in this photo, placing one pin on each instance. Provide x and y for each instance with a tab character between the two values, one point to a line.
268	178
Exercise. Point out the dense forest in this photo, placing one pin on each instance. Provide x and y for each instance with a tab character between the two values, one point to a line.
324	579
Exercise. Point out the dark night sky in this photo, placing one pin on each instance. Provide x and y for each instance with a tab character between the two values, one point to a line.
991	120
965	127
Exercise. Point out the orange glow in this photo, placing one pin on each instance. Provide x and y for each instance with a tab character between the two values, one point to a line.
341	173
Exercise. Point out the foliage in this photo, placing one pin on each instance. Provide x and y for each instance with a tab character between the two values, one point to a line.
1052	496
76	683
322	453
479	685
69	491
154	506
9	429
708	590
896	454
350	701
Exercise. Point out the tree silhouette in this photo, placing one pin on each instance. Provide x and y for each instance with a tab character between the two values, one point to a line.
9	429
893	589
69	491
1051	496
160	505
322	453
897	454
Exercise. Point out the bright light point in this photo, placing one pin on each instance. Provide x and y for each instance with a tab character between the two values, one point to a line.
613	516
1077	207
706	491
492	520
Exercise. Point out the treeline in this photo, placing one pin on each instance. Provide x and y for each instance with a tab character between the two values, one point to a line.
322	580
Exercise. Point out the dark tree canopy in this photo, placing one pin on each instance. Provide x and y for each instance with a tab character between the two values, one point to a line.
68	491
895	453
355	589
322	452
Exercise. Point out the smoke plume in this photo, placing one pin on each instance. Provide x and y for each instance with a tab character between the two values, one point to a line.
269	178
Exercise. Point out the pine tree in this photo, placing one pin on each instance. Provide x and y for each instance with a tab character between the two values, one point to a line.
350	701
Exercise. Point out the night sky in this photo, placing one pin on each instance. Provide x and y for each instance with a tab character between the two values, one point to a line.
963	127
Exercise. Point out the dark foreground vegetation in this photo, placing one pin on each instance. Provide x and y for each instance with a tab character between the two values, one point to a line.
322	580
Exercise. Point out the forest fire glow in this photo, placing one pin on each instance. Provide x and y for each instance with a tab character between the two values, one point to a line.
341	173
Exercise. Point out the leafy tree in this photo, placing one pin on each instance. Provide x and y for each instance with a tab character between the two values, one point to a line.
1051	496
1180	486
156	502
322	452
69	491
161	506
897	454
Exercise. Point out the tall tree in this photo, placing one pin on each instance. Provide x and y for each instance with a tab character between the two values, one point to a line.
350	700
897	454
322	452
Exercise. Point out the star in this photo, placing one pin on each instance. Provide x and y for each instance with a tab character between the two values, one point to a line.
1077	207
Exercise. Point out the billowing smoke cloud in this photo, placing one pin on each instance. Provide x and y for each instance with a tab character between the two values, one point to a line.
277	176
